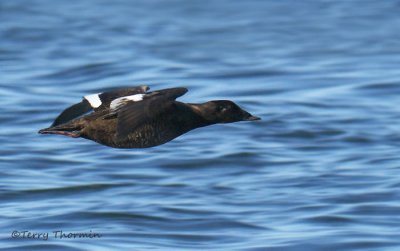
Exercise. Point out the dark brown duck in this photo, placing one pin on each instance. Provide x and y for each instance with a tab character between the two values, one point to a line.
136	118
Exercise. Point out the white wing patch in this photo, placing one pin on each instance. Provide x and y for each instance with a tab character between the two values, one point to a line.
116	103
93	99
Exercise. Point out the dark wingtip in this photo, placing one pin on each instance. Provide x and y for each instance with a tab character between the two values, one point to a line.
177	91
182	90
171	93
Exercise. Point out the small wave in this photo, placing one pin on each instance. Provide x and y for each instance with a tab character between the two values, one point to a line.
44	247
34	194
84	73
248	74
379	89
328	220
380	86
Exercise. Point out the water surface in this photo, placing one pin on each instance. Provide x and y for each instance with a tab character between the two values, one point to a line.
319	172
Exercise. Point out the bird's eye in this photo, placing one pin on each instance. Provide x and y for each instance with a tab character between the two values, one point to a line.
221	108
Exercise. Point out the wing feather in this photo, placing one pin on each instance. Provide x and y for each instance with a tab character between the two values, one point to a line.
135	114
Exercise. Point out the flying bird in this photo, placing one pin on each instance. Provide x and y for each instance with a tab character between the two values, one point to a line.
136	118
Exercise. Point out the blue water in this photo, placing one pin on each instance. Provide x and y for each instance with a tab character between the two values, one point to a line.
321	171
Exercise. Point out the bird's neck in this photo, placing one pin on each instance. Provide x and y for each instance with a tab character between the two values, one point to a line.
203	114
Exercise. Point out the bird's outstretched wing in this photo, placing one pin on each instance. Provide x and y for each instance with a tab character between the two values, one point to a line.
96	102
133	114
72	112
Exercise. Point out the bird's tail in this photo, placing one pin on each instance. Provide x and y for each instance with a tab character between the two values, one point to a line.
68	129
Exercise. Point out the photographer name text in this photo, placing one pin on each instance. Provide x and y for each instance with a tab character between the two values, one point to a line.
58	234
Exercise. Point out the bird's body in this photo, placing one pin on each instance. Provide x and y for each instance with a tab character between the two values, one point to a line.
136	118
168	125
